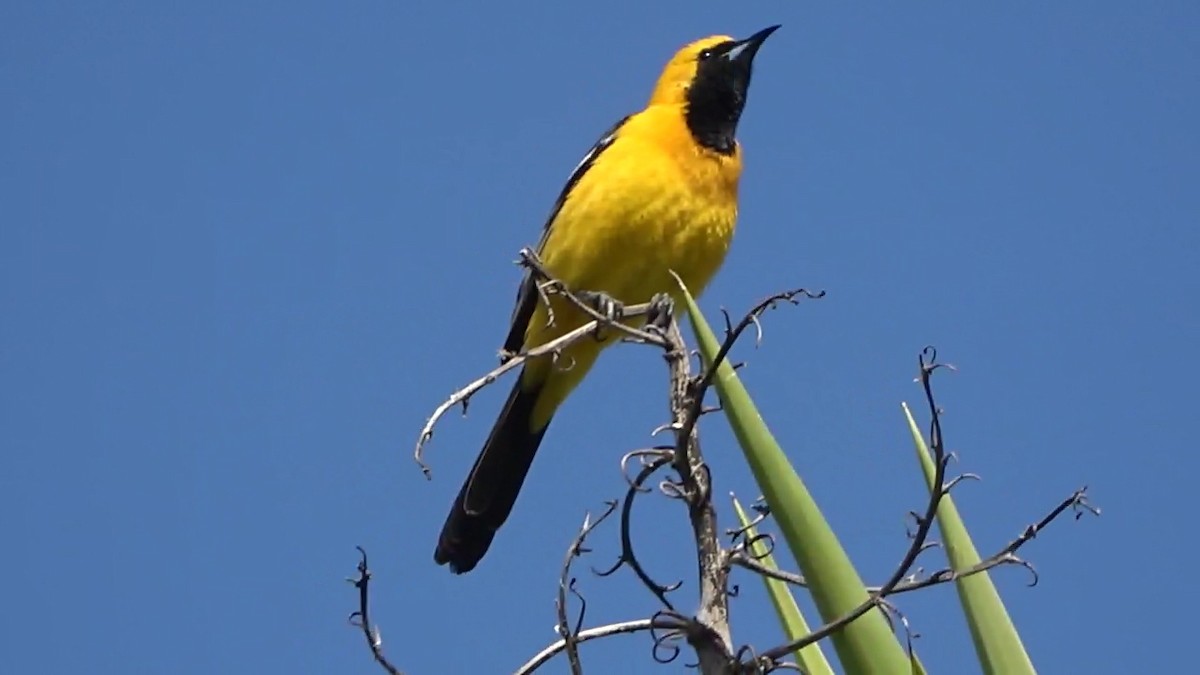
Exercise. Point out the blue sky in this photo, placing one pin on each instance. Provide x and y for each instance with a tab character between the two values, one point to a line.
247	247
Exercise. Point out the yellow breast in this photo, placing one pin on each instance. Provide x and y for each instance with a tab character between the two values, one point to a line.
653	201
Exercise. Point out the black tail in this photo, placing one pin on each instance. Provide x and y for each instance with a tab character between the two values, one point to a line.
488	494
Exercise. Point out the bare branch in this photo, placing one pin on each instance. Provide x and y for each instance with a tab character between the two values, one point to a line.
549	287
463	395
709	634
551	651
743	559
566	584
362	620
1077	502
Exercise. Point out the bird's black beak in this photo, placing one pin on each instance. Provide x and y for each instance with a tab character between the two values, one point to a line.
743	51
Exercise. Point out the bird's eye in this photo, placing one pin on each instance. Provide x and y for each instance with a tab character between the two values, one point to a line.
706	54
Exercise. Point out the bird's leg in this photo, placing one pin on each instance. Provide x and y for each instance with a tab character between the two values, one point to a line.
605	305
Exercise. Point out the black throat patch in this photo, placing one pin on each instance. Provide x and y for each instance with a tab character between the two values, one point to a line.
716	97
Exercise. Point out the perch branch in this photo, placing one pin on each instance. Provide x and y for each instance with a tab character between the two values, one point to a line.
548	287
463	396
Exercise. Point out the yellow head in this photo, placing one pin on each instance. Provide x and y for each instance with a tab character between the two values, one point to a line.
710	78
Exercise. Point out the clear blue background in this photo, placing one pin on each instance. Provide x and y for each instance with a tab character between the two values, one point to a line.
245	248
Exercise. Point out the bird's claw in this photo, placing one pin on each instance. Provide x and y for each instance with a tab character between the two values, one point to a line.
604	304
661	313
610	308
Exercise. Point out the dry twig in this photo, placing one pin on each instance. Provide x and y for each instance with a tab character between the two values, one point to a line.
542	657
566	584
361	619
1077	501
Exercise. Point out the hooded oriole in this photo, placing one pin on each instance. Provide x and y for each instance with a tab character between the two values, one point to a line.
657	192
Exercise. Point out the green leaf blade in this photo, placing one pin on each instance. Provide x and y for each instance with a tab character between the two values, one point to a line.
811	658
866	645
997	643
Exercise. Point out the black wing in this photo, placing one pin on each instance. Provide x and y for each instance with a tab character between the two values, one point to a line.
527	295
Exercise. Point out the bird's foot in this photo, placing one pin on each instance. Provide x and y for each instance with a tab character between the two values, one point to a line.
660	314
610	308
604	304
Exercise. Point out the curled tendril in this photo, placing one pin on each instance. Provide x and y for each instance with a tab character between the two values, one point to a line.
659	452
763	538
669	426
672	489
1033	573
746	654
667	629
758	330
678	491
735	534
627	557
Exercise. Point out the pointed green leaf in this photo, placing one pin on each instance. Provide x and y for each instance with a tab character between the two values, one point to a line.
867	645
997	643
810	658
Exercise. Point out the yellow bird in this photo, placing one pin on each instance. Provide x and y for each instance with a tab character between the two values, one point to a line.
657	192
